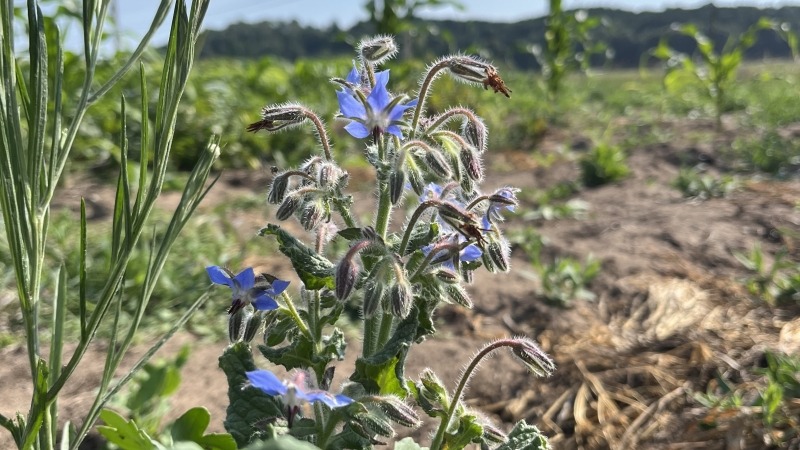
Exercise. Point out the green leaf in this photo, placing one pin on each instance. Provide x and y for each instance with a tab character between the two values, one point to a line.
191	426
122	433
248	406
382	373
525	437
348	439
351	234
314	270
408	444
469	431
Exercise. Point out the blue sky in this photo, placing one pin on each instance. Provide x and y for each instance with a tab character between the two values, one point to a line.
135	15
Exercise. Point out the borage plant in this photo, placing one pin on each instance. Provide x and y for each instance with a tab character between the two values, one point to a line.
398	278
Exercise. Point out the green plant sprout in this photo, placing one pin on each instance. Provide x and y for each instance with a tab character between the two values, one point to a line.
695	184
603	164
39	122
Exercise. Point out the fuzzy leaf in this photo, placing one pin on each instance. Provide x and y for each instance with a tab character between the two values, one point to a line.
314	270
245	406
525	437
469	431
348	439
123	433
301	353
382	373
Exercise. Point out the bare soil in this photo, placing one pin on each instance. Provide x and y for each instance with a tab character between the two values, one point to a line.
671	312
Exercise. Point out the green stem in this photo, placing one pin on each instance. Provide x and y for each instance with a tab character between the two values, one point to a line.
295	316
387	320
436	444
412	222
328	425
423	94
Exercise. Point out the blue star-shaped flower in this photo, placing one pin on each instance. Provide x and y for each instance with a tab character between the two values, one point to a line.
467	254
380	112
503	199
244	289
293	391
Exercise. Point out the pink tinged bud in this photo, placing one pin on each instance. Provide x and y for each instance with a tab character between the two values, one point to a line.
473	70
289	205
458	295
346	275
312	215
377	49
276	117
472	164
328	175
536	360
277	189
401	299
437	163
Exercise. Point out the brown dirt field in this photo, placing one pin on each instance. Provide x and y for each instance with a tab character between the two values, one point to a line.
670	313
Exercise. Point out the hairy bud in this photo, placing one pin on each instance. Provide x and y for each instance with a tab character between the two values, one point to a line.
289	205
312	215
373	295
493	434
399	412
453	212
457	294
437	163
375	424
417	181
448	276
475	133
378	49
397	185
401	299
499	253
328	175
276	117
472	163
346	275
536	360
277	190
472	70
252	326
236	323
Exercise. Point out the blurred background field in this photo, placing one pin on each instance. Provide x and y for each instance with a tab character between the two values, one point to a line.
655	253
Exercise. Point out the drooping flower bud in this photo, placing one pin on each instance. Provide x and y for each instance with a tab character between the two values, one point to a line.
289	205
475	133
417	181
312	214
493	434
473	70
451	211
437	163
399	411
401	299
373	295
457	294
447	276
328	175
375	424
499	253
397	185
276	117
236	323
536	360
472	163
252	326
378	49
277	190
346	275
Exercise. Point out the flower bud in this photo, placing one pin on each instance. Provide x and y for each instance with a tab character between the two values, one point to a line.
417	181
437	163
457	294
399	412
276	117
397	185
472	163
499	253
451	211
277	190
401	299
472	70
312	215
504	197
236	323
536	360
475	133
252	326
447	276
377	49
466	275
375	424
346	275
289	205
369	233
328	175
493	434
373	295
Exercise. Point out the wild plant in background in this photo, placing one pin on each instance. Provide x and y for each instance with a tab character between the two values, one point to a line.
717	70
398	278
569	46
39	121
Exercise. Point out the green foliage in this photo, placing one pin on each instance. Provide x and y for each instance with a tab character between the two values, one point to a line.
525	437
695	184
569	45
770	153
605	163
549	204
394	16
565	279
314	270
717	72
776	284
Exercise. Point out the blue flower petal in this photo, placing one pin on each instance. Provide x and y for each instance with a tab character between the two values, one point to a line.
245	279
354	77
218	275
379	97
263	302
328	399
350	106
395	130
357	130
267	382
278	286
382	78
470	253
397	112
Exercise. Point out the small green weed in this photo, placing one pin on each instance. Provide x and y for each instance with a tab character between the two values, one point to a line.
605	163
695	184
778	284
771	154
